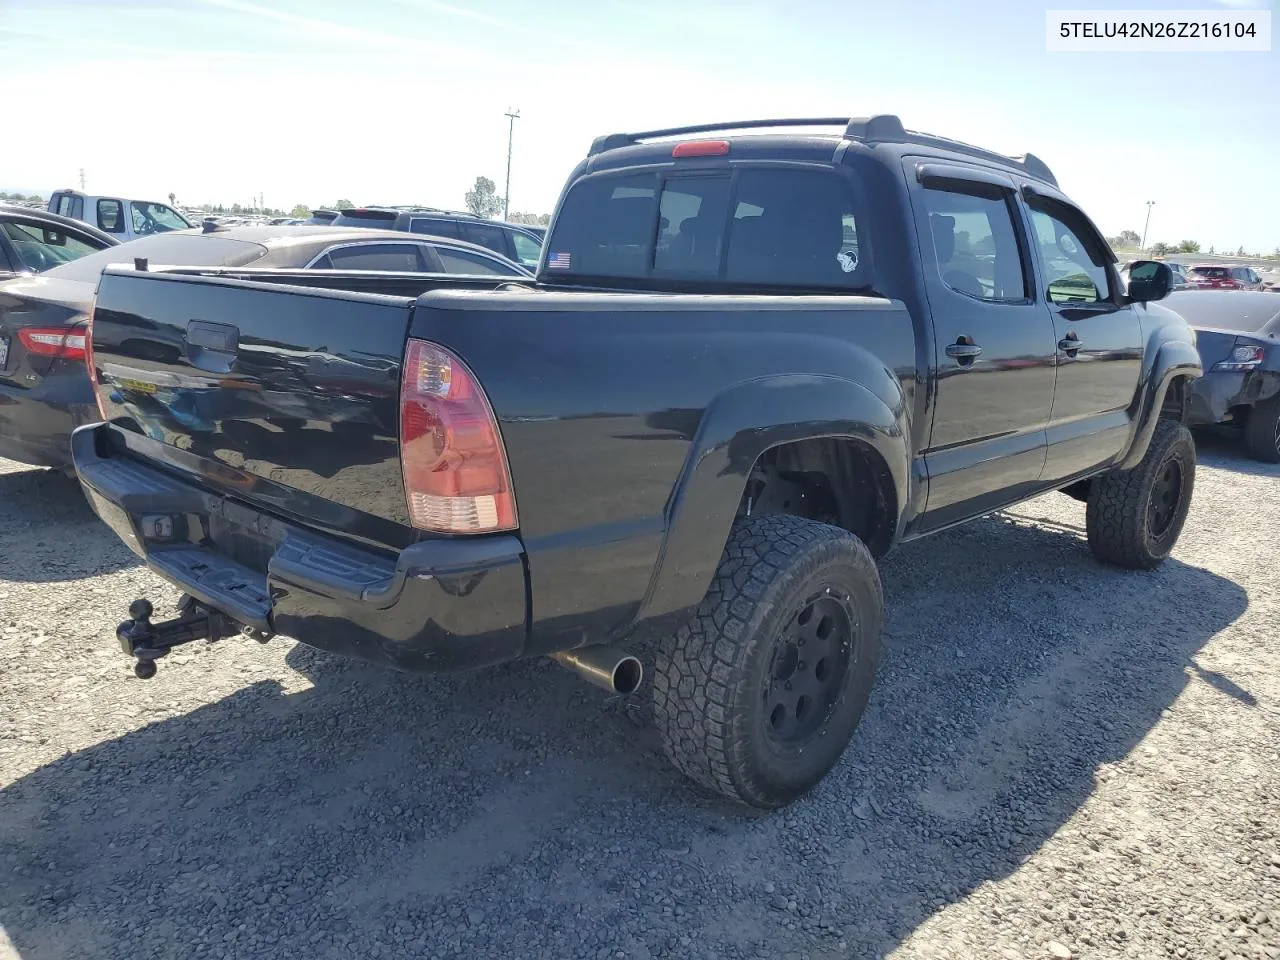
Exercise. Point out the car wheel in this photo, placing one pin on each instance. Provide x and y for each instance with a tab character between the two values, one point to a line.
757	696
1262	431
1134	516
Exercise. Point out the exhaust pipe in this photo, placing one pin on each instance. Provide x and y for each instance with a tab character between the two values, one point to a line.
606	667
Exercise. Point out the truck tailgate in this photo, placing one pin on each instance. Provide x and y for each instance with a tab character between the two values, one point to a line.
236	380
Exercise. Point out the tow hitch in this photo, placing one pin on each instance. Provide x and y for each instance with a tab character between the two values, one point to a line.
147	642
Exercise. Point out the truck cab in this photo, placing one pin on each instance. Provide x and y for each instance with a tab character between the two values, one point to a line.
124	219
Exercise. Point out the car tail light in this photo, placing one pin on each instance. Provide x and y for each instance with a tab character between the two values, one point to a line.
1244	356
93	367
456	478
64	343
701	148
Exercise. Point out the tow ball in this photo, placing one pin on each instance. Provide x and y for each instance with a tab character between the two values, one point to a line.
147	642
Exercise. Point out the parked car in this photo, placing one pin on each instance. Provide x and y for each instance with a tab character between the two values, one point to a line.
515	241
1224	277
44	386
32	241
1238	335
124	219
735	382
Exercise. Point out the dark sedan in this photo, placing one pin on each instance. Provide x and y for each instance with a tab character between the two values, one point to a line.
1238	336
33	241
44	385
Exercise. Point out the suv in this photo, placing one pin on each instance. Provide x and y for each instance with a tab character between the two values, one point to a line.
749	366
515	241
123	219
1224	277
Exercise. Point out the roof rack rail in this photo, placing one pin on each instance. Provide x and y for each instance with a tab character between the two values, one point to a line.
881	128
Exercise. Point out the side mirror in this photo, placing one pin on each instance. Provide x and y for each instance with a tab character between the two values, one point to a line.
1149	280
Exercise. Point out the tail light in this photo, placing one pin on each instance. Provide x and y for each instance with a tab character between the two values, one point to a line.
63	343
456	478
93	367
1244	356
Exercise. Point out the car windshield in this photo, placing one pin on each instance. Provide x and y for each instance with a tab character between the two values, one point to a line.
156	218
173	249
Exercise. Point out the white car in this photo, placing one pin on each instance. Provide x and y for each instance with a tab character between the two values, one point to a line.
124	219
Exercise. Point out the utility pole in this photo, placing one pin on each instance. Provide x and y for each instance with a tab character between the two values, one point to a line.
82	178
1150	204
512	116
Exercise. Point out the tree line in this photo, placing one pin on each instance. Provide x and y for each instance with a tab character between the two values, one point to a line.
1130	240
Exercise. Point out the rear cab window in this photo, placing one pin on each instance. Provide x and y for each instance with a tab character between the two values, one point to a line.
772	227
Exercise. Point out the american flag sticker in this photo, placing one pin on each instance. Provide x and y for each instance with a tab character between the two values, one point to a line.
559	261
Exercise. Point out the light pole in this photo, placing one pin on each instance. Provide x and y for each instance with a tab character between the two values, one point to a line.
1150	204
512	116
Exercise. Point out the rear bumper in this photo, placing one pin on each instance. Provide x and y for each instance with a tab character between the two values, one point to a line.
437	605
1215	396
36	423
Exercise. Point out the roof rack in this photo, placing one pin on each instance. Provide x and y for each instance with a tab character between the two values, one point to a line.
882	128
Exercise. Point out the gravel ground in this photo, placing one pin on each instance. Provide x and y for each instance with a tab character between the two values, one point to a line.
1059	760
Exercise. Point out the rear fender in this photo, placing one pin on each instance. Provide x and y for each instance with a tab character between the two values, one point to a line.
736	428
1170	360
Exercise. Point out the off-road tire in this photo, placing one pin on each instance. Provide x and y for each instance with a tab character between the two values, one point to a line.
1119	513
1262	431
713	675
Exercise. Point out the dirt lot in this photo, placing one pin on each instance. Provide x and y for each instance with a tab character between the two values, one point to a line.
1059	760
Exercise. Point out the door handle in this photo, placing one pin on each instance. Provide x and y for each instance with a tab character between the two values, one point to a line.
1070	344
963	351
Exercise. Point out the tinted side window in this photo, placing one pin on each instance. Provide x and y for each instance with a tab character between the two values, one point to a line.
527	249
1076	271
435	228
41	248
466	262
486	235
402	257
975	242
111	216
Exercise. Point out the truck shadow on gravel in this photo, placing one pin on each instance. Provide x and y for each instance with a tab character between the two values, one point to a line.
48	532
516	812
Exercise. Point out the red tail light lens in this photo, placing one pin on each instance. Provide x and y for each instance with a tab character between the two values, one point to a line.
65	343
701	148
456	478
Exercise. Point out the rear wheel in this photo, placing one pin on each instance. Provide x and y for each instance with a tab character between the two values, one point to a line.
1262	431
757	696
1134	516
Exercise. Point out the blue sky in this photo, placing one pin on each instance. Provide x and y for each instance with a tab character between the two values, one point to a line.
400	101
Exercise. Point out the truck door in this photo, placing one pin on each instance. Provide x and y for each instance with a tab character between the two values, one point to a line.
993	365
1097	334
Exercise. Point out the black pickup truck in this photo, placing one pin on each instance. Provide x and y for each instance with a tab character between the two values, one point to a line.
749	365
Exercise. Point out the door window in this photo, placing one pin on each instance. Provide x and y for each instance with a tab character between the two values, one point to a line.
1075	270
156	218
485	235
42	248
399	257
975	242
111	216
435	228
473	264
528	250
